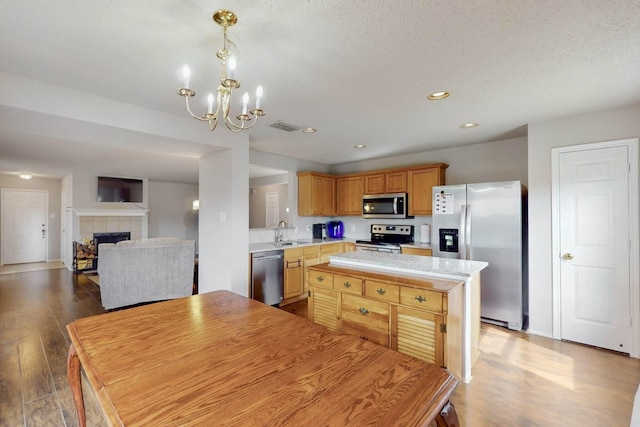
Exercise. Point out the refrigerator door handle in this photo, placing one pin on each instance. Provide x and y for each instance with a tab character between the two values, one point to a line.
462	243
467	234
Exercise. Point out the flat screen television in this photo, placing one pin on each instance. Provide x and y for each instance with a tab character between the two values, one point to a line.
119	189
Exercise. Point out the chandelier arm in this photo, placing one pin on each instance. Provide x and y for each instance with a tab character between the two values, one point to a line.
202	119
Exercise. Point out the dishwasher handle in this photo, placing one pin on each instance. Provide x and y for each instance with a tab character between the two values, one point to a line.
260	258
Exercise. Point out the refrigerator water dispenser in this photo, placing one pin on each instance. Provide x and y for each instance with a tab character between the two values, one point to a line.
448	240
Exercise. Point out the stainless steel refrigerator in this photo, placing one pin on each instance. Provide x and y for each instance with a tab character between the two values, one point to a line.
487	222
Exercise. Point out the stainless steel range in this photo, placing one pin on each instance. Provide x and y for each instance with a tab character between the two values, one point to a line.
386	238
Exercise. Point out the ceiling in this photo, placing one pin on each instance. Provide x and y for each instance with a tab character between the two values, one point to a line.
358	71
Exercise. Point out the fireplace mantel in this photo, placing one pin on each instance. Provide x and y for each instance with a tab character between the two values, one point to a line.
111	212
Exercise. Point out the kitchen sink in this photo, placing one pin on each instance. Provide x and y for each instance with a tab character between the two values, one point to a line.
286	243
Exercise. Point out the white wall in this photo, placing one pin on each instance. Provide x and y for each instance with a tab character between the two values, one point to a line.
504	160
53	188
224	219
608	125
170	210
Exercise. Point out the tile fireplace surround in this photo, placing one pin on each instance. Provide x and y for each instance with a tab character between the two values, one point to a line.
111	220
110	224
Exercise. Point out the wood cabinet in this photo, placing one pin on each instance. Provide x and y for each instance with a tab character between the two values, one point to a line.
408	250
412	315
293	273
316	194
420	184
329	249
349	195
348	247
329	195
386	182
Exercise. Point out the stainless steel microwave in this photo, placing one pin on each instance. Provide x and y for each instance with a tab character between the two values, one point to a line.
385	206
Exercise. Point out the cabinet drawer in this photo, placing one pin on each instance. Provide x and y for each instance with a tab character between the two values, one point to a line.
366	319
318	278
382	291
352	285
421	298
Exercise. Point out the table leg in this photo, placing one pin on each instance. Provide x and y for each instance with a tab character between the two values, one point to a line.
75	382
448	416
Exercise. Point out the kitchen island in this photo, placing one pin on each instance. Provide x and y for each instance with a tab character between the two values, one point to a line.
425	306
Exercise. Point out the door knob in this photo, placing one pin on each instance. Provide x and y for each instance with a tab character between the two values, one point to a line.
567	256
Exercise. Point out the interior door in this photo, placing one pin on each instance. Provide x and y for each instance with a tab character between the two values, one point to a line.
24	226
593	197
272	209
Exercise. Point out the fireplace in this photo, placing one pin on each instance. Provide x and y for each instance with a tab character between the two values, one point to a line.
85	254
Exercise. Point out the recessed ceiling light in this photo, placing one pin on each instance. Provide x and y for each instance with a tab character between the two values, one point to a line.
436	96
469	125
25	176
309	130
360	146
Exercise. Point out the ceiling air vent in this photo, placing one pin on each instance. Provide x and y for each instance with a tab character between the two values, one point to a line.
284	126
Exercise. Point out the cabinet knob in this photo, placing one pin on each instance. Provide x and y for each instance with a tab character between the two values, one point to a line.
320	278
420	299
347	284
381	291
363	311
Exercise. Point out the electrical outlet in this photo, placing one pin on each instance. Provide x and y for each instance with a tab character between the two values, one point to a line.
308	229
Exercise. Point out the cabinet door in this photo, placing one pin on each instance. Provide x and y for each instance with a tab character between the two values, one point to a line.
418	334
329	249
325	198
374	183
349	195
366	319
293	284
416	251
396	182
324	308
316	194
420	189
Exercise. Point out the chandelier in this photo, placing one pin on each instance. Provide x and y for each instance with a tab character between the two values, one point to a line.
222	100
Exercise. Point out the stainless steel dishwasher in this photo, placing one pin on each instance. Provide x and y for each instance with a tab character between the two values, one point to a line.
267	276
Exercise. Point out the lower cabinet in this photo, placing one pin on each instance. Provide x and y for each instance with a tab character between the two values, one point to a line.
406	315
293	277
416	251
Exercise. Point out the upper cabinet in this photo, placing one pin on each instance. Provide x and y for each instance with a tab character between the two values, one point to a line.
349	195
316	194
386	182
420	187
328	195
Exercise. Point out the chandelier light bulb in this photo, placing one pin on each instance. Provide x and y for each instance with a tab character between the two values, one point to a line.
258	96
232	66
210	102
245	102
186	73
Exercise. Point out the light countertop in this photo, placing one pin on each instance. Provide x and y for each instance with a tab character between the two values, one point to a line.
426	266
271	246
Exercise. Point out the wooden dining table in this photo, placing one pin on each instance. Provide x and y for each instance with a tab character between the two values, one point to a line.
222	359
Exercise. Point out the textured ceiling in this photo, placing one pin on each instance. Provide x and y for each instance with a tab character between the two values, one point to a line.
357	71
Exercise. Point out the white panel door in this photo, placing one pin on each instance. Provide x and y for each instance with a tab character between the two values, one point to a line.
24	226
273	209
594	247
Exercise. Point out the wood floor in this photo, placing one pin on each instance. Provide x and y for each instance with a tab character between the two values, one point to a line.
519	380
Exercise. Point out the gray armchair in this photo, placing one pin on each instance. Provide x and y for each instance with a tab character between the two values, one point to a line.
136	271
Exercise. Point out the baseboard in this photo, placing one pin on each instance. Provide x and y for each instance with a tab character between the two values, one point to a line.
539	333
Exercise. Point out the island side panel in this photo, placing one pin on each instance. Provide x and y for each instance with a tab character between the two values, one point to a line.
454	348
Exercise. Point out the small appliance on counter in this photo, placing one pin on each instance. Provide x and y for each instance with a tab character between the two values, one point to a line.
319	231
335	229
